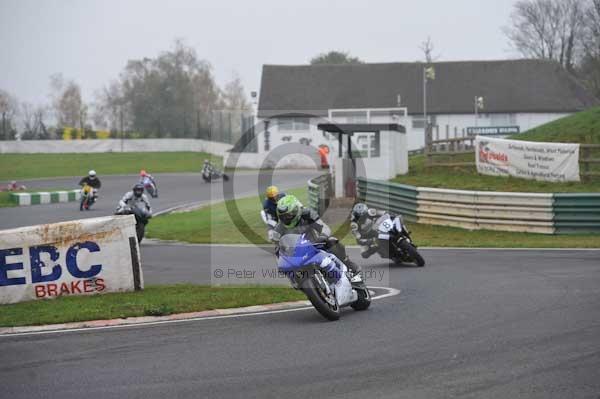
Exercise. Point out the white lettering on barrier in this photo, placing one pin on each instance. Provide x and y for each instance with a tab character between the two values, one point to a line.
528	160
79	257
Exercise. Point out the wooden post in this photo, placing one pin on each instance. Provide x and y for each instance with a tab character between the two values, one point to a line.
585	152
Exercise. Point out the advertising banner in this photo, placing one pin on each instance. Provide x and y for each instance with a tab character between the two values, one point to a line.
80	257
557	162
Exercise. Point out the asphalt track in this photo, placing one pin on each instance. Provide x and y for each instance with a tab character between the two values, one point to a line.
174	190
471	324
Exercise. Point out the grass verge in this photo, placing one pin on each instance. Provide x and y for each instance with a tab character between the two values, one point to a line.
35	166
215	224
443	236
152	301
581	127
467	178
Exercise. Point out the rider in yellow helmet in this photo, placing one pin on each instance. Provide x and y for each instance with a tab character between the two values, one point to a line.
269	212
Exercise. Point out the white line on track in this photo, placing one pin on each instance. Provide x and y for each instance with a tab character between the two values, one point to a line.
390	292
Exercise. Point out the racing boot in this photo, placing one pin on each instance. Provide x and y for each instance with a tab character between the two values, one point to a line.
356	278
367	251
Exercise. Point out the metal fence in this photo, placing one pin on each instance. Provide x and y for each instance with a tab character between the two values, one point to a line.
319	192
525	212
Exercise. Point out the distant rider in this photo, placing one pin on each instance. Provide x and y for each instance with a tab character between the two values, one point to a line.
146	178
93	181
294	218
363	224
136	199
269	212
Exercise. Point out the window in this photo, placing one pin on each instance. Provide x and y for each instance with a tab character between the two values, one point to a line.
293	124
418	122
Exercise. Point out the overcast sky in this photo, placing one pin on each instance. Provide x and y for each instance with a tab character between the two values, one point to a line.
90	41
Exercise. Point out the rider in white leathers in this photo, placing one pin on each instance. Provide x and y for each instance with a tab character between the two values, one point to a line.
137	199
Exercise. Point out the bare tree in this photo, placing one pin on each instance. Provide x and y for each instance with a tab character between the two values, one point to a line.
66	101
547	29
590	64
33	117
427	47
234	95
9	109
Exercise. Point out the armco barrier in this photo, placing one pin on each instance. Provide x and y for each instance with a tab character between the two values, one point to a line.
526	212
504	211
319	192
45	197
577	213
397	198
79	257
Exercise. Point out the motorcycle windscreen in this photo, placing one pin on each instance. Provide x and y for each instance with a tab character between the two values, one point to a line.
295	251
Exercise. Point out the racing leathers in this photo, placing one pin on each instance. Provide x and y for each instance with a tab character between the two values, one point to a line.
93	182
269	212
317	231
364	230
141	203
148	179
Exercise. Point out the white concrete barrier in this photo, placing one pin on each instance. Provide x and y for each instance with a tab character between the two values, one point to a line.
80	257
113	145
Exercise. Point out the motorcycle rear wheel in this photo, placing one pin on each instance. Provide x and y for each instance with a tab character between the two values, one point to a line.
315	296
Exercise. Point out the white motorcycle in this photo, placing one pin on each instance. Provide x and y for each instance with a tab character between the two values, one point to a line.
324	279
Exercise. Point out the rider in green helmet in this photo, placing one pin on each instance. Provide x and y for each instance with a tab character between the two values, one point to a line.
296	219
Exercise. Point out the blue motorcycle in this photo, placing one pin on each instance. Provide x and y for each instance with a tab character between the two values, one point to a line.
324	279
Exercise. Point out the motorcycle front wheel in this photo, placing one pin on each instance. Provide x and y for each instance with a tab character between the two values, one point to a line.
140	231
325	304
413	254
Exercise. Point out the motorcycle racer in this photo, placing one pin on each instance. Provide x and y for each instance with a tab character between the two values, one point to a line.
91	180
296	219
363	222
137	199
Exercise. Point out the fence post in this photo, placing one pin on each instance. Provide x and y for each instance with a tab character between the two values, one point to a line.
586	165
428	145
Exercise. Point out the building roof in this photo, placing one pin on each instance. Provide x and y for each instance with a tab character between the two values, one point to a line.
508	86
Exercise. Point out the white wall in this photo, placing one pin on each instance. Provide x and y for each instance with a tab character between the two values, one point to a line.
525	121
113	145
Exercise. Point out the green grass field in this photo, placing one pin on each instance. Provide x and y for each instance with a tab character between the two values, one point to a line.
152	301
467	178
213	224
582	127
35	166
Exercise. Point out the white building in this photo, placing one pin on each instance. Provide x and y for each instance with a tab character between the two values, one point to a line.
293	100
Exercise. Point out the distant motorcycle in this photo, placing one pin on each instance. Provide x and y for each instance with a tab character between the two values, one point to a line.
401	247
210	173
89	195
141	219
324	279
151	187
